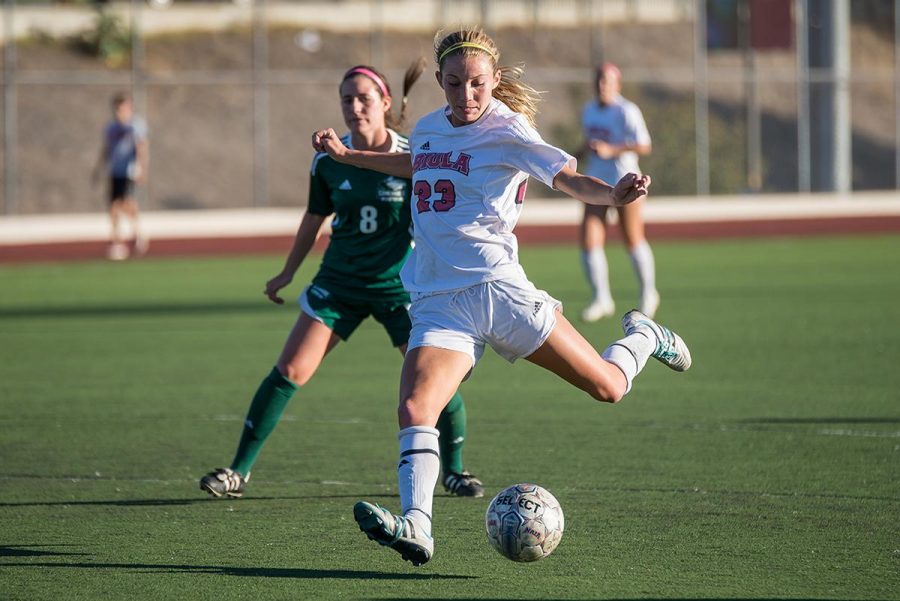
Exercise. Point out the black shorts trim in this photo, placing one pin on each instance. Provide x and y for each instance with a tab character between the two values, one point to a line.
120	188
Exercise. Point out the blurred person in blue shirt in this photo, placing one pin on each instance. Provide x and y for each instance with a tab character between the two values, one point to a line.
125	157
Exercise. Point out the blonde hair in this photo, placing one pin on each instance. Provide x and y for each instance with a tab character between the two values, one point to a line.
511	91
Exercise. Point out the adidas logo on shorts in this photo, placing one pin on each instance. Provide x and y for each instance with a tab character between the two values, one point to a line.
537	307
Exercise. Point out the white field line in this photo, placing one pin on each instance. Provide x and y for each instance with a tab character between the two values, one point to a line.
859	433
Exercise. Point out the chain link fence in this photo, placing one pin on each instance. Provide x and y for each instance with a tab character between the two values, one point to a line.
737	94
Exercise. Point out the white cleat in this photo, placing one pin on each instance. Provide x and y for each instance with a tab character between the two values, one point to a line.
598	309
649	303
395	531
224	481
117	252
141	246
670	348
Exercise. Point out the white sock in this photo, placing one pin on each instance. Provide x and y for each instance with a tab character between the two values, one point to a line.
644	267
630	355
417	473
596	269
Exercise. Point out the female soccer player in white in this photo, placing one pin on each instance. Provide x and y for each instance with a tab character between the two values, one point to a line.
469	162
615	134
358	278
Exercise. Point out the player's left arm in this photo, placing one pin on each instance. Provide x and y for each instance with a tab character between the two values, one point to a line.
102	159
637	137
398	164
142	151
594	191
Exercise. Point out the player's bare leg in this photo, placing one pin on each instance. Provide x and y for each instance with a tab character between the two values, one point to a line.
306	347
567	354
596	268
451	423
608	377
303	352
118	251
631	220
429	378
139	241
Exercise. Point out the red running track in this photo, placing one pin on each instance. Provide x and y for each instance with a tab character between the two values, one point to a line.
527	234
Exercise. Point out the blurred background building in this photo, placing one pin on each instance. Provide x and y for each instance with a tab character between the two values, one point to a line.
741	96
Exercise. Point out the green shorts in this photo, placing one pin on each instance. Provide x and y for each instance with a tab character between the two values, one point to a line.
343	313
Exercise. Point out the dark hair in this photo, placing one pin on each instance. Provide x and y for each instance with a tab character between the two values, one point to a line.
120	98
410	77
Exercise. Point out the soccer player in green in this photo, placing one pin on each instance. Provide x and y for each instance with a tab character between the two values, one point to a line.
359	276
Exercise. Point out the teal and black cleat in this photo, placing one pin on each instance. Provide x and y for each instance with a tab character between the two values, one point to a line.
224	482
394	531
670	348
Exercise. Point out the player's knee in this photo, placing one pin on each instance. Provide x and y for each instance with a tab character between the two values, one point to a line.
412	412
296	371
608	392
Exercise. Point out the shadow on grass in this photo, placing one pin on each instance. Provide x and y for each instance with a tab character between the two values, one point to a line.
26	551
302	573
183	502
138	309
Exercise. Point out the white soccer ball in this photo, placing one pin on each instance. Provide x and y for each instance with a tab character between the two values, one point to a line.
524	522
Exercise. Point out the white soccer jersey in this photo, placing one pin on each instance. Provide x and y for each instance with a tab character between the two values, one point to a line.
618	123
468	188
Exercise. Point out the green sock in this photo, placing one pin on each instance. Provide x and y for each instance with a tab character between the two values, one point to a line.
268	404
452	426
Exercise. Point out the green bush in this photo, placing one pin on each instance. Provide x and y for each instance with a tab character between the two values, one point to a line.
110	39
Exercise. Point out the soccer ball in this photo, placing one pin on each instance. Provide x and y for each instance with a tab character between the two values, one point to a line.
524	522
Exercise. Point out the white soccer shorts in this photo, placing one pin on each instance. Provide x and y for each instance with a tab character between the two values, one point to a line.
511	315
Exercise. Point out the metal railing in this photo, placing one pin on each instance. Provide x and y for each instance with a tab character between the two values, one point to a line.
717	85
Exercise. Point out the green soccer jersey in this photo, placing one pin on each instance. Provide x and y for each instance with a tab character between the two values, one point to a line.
371	231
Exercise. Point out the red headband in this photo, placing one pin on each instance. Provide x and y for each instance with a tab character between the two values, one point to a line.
371	75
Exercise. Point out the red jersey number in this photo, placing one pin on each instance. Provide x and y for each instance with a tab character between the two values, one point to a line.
422	190
444	187
520	193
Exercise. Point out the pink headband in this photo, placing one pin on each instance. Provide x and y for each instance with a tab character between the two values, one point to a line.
371	75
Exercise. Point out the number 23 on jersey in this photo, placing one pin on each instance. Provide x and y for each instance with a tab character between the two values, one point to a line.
423	191
447	199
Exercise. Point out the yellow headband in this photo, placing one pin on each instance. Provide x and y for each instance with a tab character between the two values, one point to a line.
459	45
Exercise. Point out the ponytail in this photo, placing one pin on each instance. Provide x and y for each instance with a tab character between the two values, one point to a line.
410	77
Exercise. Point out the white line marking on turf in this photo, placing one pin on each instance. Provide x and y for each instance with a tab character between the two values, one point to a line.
797	430
860	433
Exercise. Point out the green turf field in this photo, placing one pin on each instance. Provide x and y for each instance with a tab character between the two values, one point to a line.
771	470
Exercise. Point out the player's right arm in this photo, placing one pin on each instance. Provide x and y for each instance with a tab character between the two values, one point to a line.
398	164
594	191
101	159
307	234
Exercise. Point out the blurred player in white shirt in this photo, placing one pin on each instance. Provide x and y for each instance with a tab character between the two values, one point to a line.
469	163
615	135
